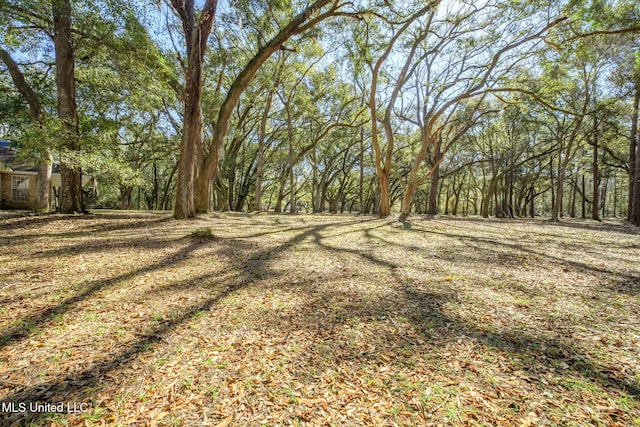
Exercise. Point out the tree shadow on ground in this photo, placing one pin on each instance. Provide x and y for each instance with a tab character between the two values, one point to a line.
76	385
123	222
628	283
29	325
540	349
326	308
608	226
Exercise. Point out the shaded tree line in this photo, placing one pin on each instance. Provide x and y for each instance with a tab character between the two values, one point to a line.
496	108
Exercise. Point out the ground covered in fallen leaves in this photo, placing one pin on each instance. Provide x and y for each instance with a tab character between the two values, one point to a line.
137	319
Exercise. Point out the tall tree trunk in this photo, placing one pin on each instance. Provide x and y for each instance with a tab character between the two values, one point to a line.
292	181
556	212
315	185
384	209
572	197
261	151
532	205
635	218
300	23
187	171
71	175
361	177
167	187
615	192
43	188
584	198
634	162
552	180
188	193
432	206
604	196
596	175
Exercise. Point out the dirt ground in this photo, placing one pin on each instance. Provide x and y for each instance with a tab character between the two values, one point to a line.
136	319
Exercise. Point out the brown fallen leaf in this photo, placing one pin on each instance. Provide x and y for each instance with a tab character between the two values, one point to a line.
225	422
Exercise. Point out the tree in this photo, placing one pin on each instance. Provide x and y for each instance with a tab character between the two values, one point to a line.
196	34
35	24
449	99
384	153
42	202
194	186
70	175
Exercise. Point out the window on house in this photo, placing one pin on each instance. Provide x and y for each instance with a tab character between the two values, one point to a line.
19	188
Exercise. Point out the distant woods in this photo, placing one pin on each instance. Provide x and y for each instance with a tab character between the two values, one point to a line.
493	108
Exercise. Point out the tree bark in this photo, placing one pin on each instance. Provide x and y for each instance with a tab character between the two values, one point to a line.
361	176
584	198
261	152
384	202
71	175
209	163
432	206
634	162
191	149
596	175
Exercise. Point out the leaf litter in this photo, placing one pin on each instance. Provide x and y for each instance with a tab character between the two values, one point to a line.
319	320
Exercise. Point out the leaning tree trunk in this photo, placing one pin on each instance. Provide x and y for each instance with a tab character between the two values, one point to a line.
42	202
71	175
300	23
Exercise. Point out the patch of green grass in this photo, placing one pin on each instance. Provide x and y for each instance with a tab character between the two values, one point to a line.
171	420
161	361
90	317
293	396
198	315
46	419
24	325
95	414
213	392
147	346
59	319
373	382
248	384
452	412
579	384
121	398
625	402
394	410
221	348
202	233
434	394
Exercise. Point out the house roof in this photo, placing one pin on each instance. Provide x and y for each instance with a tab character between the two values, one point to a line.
7	157
8	161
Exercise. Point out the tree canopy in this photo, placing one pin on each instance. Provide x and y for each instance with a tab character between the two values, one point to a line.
505	108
